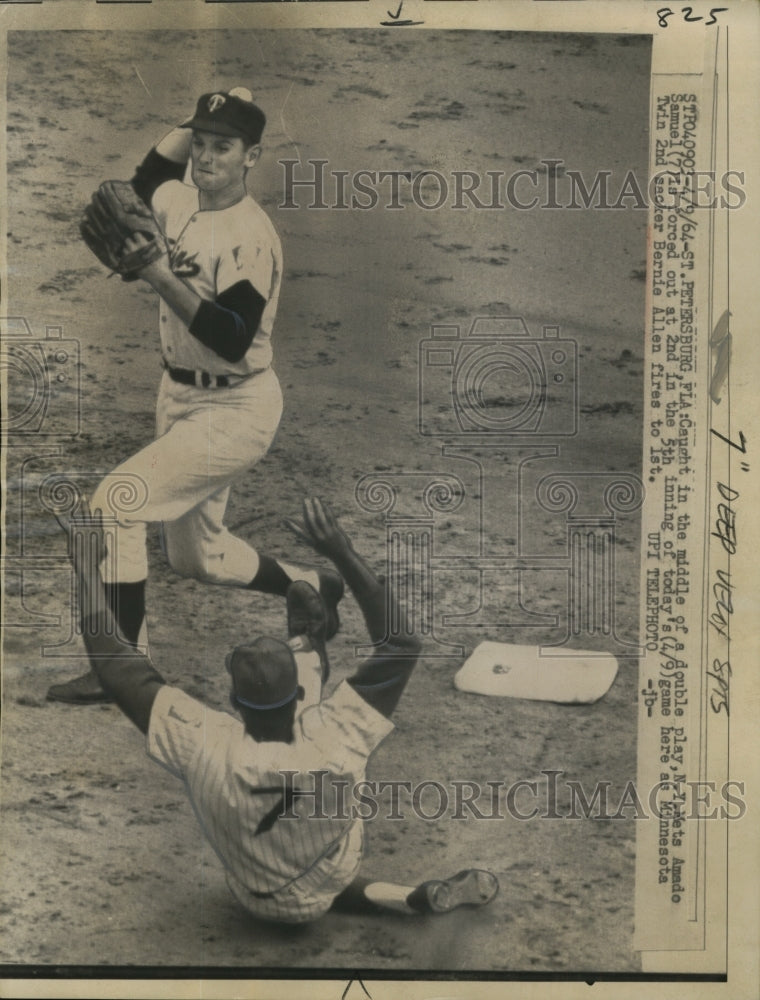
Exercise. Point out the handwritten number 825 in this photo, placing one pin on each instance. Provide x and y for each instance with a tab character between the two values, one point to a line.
688	15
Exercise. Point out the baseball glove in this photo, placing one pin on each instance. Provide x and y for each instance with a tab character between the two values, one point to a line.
114	213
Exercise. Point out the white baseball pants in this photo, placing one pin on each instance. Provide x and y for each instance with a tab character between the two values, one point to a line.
207	438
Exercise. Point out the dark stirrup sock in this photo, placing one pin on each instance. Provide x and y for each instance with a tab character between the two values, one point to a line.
127	604
418	900
271	578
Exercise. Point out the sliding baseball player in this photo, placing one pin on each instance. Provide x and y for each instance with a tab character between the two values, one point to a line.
288	855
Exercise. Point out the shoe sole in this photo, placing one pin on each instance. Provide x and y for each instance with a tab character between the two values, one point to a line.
313	607
331	590
315	631
83	690
63	698
472	887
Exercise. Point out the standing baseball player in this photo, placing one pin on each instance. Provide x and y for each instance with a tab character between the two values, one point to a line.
218	276
289	854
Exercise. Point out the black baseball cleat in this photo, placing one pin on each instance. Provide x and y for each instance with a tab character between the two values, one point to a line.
84	690
471	887
331	590
308	615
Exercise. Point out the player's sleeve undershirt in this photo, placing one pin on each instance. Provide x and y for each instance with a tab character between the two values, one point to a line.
228	325
154	171
128	676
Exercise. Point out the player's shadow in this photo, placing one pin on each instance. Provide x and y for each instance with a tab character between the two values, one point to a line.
274	931
343	939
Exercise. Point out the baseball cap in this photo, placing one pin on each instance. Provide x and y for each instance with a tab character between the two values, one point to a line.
225	113
264	674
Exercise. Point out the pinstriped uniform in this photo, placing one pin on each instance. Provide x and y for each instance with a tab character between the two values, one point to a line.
286	855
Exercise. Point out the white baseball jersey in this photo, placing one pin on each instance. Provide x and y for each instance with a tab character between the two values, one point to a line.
212	251
207	438
281	868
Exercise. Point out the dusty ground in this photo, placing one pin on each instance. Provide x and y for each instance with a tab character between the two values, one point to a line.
103	863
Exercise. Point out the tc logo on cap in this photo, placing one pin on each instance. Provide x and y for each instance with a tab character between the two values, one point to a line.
215	102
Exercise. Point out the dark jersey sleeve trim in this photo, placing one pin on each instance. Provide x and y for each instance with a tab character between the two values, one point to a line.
228	325
154	171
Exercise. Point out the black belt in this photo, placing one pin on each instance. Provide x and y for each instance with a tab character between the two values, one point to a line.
203	380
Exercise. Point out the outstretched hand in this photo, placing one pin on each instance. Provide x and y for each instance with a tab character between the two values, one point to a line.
320	528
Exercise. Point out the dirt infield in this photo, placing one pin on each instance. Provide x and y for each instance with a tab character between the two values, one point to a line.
102	860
